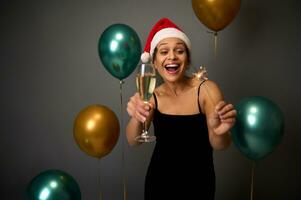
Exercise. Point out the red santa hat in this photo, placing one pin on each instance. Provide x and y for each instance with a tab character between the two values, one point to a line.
164	28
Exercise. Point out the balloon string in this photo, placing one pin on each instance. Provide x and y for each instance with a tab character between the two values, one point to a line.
215	42
123	145
98	180
252	179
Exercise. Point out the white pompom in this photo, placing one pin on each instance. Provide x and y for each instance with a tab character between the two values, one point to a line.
145	57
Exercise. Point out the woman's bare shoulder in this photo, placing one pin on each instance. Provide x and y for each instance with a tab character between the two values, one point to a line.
211	85
210	91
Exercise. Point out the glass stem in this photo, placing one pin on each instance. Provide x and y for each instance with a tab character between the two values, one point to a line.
144	131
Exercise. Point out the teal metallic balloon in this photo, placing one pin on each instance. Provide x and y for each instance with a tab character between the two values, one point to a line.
53	185
119	50
259	127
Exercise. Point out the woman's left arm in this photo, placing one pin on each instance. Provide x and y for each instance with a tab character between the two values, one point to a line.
220	115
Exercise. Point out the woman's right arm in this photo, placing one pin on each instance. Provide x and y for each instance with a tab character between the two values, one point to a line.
138	112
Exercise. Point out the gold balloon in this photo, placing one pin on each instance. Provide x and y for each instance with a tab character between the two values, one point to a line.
96	130
216	14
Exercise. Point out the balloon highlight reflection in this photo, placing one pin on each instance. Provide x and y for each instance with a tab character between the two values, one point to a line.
119	50
53	185
96	130
259	127
216	14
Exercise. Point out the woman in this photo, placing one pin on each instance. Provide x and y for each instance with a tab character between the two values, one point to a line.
189	116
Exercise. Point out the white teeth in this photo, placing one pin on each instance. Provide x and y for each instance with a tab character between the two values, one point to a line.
172	65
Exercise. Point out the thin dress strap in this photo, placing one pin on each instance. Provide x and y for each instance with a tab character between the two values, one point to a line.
200	110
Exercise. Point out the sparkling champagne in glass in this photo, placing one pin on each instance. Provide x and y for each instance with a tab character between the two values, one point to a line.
145	82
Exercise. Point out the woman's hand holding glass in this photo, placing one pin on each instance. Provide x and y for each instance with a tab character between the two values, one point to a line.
138	109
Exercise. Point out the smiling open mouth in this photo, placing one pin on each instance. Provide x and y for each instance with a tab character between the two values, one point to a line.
172	68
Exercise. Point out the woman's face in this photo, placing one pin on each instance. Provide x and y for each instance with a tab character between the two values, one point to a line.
171	59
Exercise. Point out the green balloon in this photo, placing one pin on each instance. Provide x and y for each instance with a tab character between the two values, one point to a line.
53	185
259	127
119	50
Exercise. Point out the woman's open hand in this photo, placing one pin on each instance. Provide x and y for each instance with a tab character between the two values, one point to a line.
223	118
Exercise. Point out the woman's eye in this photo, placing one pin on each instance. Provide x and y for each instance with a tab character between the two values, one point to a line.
163	52
180	51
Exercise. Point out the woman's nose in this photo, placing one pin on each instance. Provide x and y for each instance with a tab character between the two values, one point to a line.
171	55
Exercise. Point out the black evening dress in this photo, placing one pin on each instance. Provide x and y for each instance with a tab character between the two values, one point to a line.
181	165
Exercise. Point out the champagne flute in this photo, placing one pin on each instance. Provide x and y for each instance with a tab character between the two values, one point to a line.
145	82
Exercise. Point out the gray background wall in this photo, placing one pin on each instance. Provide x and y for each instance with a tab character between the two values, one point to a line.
50	70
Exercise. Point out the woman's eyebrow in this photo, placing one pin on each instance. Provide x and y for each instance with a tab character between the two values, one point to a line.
178	43
162	44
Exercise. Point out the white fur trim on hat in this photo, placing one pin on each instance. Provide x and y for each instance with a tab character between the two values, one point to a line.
166	33
145	57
